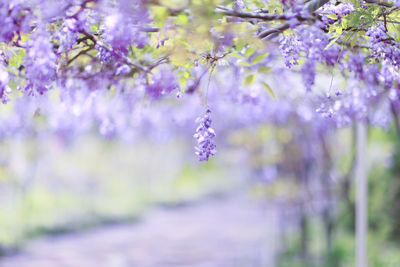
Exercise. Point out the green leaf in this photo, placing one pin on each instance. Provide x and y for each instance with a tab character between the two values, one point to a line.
354	41
269	90
344	24
264	69
160	14
250	79
235	55
94	27
249	52
332	42
25	37
244	64
16	58
332	16
259	58
182	19
12	84
182	81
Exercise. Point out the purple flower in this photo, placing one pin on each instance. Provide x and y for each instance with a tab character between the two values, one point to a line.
68	35
356	64
14	19
308	74
40	63
204	136
118	32
239	4
344	9
163	83
381	44
124	27
103	55
227	38
288	2
4	89
290	50
122	70
161	42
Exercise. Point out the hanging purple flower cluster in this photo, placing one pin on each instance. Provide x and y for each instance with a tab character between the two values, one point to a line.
381	44
290	50
313	43
386	52
14	19
204	136
4	89
103	55
40	63
68	35
164	82
126	24
344	9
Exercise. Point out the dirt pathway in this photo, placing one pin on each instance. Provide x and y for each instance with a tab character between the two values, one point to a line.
219	233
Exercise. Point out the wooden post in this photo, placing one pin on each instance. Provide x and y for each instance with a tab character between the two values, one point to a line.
361	196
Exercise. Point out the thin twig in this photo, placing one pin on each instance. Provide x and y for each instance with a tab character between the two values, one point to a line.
310	7
124	59
253	15
82	52
384	4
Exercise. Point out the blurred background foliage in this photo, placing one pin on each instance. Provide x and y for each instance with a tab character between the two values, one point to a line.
383	219
48	186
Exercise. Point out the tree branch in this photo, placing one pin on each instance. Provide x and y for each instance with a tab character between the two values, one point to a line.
310	7
252	15
384	4
82	52
124	59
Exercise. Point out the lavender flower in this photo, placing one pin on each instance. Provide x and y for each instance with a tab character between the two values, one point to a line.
122	70
40	63
124	26
356	64
14	19
103	55
164	82
239	4
204	135
313	42
289	47
4	89
117	31
68	35
344	9
308	74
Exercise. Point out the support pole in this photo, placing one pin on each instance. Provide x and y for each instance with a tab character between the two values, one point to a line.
361	196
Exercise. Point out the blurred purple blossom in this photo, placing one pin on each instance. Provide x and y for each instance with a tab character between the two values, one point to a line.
163	82
4	89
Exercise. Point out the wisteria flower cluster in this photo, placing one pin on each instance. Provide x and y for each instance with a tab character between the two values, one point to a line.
108	66
4	89
204	136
